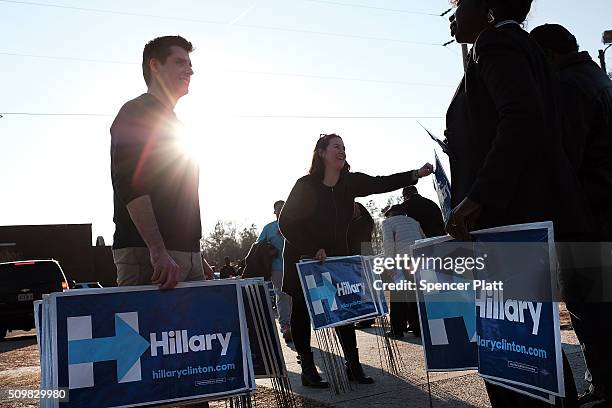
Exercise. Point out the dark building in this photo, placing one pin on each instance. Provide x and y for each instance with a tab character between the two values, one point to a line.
69	244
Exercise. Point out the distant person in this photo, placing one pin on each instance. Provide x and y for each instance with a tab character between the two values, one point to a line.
227	270
360	241
271	234
423	210
315	222
399	234
241	266
586	106
504	139
360	231
155	184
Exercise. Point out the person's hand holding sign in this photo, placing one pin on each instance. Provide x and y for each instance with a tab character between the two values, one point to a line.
426	170
165	270
463	219
321	255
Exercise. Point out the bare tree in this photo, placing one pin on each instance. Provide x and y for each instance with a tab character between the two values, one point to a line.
225	240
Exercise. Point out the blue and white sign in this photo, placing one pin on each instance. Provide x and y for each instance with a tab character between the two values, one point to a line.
518	333
443	189
139	345
510	334
448	317
337	292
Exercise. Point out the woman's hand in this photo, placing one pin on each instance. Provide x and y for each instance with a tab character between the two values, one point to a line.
321	255
426	170
462	219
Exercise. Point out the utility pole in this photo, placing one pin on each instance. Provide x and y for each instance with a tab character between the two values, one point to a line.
606	38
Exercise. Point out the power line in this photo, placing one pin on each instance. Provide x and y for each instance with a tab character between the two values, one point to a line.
335	3
219	23
64	114
284	74
63	58
54	114
338	117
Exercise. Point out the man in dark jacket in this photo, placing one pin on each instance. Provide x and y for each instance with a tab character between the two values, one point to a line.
425	211
586	104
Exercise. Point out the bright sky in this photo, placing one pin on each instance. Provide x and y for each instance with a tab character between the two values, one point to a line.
262	70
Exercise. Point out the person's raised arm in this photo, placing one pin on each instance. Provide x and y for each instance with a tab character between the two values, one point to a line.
364	185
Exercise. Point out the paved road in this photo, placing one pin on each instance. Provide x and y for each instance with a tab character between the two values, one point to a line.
19	368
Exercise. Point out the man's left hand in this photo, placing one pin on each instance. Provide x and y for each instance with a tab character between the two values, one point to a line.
463	219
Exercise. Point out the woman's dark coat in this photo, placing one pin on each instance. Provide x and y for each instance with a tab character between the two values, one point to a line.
316	216
505	140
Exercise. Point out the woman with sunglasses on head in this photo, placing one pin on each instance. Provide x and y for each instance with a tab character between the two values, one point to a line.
315	222
508	165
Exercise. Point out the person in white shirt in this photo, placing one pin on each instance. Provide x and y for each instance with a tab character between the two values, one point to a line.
399	234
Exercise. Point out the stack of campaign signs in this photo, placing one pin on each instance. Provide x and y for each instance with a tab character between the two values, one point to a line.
266	351
138	345
338	292
509	333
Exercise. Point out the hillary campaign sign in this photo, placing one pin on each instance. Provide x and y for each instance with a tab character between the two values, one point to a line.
138	345
509	332
448	317
518	333
338	291
443	189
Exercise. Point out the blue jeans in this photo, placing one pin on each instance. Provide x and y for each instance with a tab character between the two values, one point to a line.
283	300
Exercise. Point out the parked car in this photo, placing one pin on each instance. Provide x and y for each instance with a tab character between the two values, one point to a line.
86	285
21	283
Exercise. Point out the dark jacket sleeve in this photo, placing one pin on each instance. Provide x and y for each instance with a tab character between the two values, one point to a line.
578	110
293	218
133	152
363	185
507	74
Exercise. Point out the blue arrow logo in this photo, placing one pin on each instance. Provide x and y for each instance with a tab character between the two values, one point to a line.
125	347
327	292
445	305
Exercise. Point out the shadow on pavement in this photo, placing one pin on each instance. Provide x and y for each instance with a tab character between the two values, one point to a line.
387	390
14	343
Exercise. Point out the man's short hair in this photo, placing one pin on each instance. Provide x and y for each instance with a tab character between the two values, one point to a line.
278	205
159	48
555	37
409	191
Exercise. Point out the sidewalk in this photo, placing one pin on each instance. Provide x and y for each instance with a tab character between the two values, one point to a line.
454	389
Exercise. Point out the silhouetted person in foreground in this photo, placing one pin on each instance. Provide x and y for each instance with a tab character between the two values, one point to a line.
155	182
586	105
508	164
